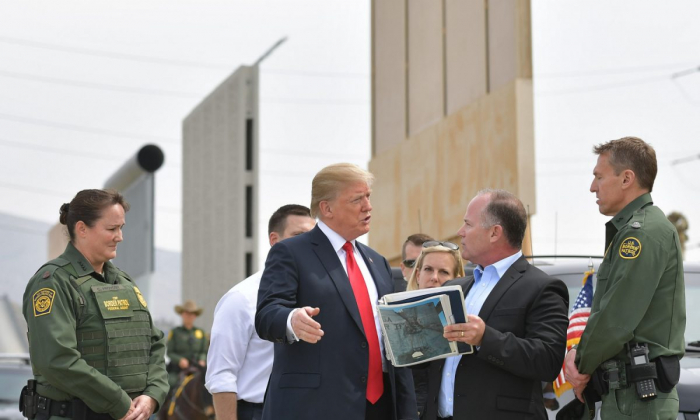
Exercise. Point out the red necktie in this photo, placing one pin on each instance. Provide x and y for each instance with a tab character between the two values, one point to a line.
375	378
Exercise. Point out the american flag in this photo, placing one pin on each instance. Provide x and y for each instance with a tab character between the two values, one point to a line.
577	323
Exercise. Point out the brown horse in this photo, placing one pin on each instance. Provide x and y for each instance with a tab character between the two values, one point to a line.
188	399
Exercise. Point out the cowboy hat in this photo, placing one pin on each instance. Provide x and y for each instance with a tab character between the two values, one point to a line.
189	306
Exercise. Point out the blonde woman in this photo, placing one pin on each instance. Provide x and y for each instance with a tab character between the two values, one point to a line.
437	263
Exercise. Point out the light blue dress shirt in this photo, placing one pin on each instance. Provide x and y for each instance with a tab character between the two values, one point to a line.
485	279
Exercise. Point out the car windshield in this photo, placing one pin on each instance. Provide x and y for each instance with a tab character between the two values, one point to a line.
692	311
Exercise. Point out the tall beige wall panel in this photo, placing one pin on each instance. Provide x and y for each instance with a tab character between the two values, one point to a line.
465	52
389	73
480	146
509	41
426	101
214	239
468	121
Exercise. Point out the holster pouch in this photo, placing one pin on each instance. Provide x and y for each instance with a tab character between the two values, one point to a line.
28	400
668	370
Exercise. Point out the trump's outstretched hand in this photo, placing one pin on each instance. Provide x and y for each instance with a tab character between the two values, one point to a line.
304	327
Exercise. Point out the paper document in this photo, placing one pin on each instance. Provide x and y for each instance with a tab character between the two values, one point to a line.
413	324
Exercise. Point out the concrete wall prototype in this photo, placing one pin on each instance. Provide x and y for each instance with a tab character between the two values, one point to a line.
220	191
452	113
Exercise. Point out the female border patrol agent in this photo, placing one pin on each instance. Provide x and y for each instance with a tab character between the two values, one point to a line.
186	343
94	350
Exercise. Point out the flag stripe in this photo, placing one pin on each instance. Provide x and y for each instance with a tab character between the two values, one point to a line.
577	324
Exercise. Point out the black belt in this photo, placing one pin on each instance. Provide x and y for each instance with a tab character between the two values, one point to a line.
75	409
250	404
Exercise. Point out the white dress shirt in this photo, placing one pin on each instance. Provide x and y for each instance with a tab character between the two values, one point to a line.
337	243
485	280
239	360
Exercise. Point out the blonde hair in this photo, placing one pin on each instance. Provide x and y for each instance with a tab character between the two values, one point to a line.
331	180
458	269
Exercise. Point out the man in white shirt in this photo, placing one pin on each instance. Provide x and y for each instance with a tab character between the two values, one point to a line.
239	361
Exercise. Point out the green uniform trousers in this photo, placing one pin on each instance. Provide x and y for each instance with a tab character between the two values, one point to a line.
624	404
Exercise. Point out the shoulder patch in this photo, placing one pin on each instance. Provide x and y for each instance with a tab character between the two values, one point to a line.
630	248
43	301
140	296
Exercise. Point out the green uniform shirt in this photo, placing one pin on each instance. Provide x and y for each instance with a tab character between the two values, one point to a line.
640	293
190	344
52	307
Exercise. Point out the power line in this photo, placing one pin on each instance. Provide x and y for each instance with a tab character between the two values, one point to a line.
42	148
619	70
313	153
306	73
23	230
102	86
167	61
36	190
305	101
73	153
116	55
605	86
685	159
64	196
63	126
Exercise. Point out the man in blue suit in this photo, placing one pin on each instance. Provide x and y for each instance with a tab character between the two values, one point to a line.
317	303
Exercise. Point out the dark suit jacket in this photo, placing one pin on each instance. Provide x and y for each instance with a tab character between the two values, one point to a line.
326	380
523	345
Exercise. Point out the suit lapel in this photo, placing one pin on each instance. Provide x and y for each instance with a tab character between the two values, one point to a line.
329	258
383	286
513	274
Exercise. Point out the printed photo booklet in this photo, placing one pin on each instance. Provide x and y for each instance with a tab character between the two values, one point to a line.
413	324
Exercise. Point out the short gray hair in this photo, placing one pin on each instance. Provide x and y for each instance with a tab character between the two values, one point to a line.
506	210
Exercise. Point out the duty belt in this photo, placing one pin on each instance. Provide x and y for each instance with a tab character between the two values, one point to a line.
616	374
75	409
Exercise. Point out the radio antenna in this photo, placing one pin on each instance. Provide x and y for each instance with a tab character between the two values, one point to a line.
532	251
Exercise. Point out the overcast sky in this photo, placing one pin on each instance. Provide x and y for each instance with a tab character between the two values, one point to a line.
84	84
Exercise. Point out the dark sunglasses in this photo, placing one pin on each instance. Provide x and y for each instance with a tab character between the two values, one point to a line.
409	263
448	245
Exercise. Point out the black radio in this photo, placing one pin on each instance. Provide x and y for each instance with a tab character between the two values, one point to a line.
639	360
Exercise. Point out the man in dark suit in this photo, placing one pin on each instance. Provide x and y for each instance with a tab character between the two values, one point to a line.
519	333
317	303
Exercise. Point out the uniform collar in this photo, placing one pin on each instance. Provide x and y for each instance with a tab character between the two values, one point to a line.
83	267
624	216
80	264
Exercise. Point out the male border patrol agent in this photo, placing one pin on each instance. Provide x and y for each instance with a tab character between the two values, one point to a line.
640	297
186	343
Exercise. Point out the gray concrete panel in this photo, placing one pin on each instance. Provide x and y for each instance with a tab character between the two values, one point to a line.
216	170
